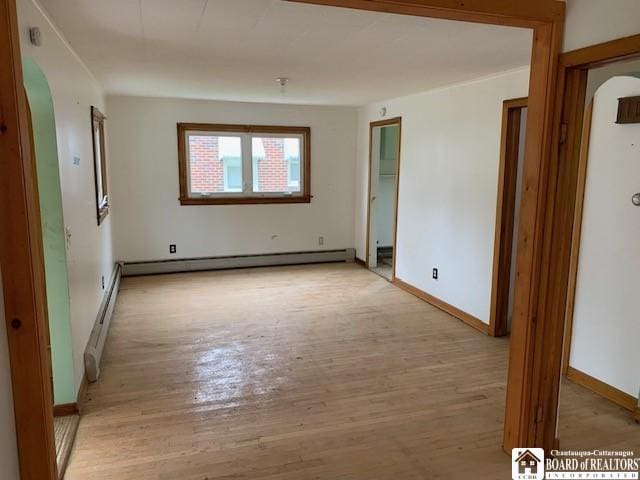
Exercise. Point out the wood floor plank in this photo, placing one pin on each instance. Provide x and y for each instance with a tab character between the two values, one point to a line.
310	372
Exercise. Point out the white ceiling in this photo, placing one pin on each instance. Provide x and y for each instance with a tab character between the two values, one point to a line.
234	49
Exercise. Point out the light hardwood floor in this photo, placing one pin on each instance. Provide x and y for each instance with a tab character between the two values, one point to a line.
313	372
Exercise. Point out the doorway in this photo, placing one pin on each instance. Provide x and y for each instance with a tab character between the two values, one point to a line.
600	358
59	340
21	256
384	170
514	128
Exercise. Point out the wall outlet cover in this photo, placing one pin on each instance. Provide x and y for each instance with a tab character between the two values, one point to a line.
435	274
172	248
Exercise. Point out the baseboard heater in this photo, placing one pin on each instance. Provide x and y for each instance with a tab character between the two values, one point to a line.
240	261
95	347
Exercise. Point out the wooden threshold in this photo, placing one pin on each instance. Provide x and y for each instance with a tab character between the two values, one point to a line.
626	401
65	428
65	409
444	306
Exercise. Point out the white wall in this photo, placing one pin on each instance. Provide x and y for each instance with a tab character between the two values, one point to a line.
448	186
605	326
74	90
144	178
8	448
590	22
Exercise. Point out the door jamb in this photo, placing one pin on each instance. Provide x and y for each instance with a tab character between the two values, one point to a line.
560	215
21	248
372	125
505	211
578	63
22	264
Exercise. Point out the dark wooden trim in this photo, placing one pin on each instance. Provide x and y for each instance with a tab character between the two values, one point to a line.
245	200
102	210
75	407
359	261
626	401
505	215
577	235
82	393
65	409
240	199
239	128
383	123
628	110
537	346
397	199
22	265
494	12
531	405
444	306
601	54
636	414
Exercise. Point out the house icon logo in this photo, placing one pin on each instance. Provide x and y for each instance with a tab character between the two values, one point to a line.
527	464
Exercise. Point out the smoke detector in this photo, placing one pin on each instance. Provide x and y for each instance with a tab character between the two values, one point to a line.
283	81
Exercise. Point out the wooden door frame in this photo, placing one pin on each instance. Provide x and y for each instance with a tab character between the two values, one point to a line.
576	64
384	123
22	265
505	212
532	397
529	391
558	248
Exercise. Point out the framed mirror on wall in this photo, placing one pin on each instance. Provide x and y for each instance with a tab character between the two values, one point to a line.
99	164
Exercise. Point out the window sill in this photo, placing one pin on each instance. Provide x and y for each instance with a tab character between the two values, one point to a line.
245	200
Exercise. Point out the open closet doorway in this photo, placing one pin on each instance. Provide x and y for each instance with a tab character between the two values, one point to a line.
514	128
384	169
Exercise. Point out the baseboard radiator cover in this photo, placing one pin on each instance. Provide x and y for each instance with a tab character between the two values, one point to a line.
95	346
131	269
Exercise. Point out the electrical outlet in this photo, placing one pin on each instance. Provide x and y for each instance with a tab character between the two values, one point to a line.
435	274
103	282
320	240
172	248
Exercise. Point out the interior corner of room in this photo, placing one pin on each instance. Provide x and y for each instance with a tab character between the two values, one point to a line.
310	251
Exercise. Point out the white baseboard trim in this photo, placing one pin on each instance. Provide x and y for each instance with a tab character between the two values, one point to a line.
239	261
95	346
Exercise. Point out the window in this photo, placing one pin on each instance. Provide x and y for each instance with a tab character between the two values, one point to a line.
292	157
99	164
236	164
